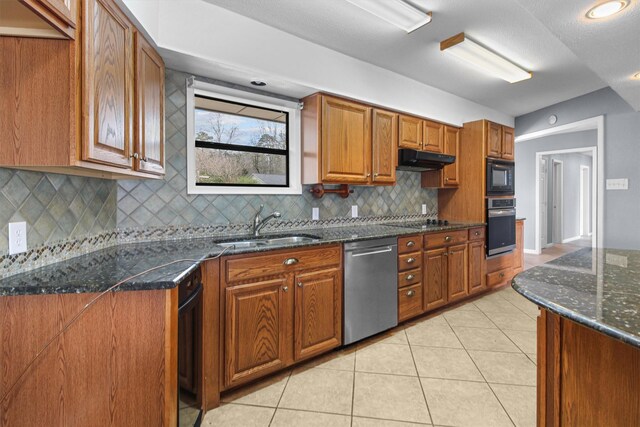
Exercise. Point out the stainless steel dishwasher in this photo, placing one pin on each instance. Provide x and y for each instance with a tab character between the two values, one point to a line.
370	288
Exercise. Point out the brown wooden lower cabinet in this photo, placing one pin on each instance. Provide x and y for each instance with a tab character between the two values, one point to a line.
116	366
280	307
409	302
477	278
457	272
585	378
435	278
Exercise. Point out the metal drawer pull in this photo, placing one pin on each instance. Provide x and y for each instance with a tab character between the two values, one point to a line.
134	156
411	277
410	260
501	275
290	261
411	244
285	288
477	233
300	284
411	293
447	239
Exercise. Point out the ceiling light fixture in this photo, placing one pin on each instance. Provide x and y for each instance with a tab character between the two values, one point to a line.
395	12
483	59
609	8
636	76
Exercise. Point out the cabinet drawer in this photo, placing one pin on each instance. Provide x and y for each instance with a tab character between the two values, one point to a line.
409	277
238	268
409	302
476	233
434	240
499	277
409	244
409	261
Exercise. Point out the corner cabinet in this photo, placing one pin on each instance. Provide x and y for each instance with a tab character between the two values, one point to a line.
448	176
500	141
99	100
346	142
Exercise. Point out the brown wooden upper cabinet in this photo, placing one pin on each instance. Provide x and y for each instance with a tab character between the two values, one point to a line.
49	19
410	132
448	176
347	142
500	141
433	137
111	124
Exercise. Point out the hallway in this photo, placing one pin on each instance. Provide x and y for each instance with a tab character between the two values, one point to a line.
553	252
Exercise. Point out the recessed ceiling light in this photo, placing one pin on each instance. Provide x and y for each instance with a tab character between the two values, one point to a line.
258	83
395	12
483	59
636	76
609	8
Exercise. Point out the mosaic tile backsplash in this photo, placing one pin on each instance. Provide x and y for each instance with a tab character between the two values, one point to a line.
158	203
55	207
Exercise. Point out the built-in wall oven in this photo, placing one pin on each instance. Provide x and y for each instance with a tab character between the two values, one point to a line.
501	225
500	178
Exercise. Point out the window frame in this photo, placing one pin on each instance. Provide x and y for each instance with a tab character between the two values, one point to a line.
294	156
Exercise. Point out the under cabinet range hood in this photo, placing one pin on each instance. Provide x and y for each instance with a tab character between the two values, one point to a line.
418	161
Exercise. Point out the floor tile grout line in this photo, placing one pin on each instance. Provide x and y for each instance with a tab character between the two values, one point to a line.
281	394
424	395
485	379
393	420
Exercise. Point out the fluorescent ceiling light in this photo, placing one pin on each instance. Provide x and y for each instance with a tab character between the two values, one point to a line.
483	59
636	76
607	9
395	12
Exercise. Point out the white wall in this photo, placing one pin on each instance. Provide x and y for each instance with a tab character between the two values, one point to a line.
198	37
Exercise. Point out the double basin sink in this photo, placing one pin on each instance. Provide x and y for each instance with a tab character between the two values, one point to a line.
265	241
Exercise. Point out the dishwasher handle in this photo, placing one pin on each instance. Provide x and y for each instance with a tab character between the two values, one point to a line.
373	252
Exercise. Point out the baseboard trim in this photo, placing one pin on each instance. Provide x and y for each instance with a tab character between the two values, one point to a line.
572	239
531	252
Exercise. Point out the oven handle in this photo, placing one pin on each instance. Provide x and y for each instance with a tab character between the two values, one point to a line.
501	212
191	299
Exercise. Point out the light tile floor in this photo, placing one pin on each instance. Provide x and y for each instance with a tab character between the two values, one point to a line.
472	365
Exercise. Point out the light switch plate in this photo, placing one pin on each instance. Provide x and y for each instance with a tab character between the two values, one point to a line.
424	209
315	214
618	184
17	237
354	211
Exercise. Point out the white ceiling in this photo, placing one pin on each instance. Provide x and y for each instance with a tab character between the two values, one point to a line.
610	47
503	25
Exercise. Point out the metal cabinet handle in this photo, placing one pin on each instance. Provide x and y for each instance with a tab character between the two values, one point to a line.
134	156
501	275
376	174
446	179
143	159
411	293
368	175
290	261
285	288
410	277
477	233
300	284
446	254
447	239
411	260
411	244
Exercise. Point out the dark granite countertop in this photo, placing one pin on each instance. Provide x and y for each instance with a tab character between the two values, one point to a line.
100	270
598	288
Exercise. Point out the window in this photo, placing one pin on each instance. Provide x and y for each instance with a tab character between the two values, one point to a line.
239	144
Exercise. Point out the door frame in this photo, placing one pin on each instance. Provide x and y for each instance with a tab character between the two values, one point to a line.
597	178
585	196
557	195
544	195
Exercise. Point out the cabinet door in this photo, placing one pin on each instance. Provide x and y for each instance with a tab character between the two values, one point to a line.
433	137
384	146
508	144
494	140
346	141
518	254
107	84
435	278
60	14
149	108
451	173
410	132
457	276
318	313
256	326
188	329
477	278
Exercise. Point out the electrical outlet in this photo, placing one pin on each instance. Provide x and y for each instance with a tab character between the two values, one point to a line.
618	184
315	214
424	209
354	211
17	237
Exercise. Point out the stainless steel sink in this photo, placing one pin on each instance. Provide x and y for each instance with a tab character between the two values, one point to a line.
266	241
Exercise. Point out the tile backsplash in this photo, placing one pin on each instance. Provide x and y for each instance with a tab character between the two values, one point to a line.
166	202
55	207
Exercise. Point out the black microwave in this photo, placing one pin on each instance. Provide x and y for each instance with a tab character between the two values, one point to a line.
500	178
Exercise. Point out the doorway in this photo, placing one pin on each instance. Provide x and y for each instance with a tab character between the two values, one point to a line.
544	240
557	197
